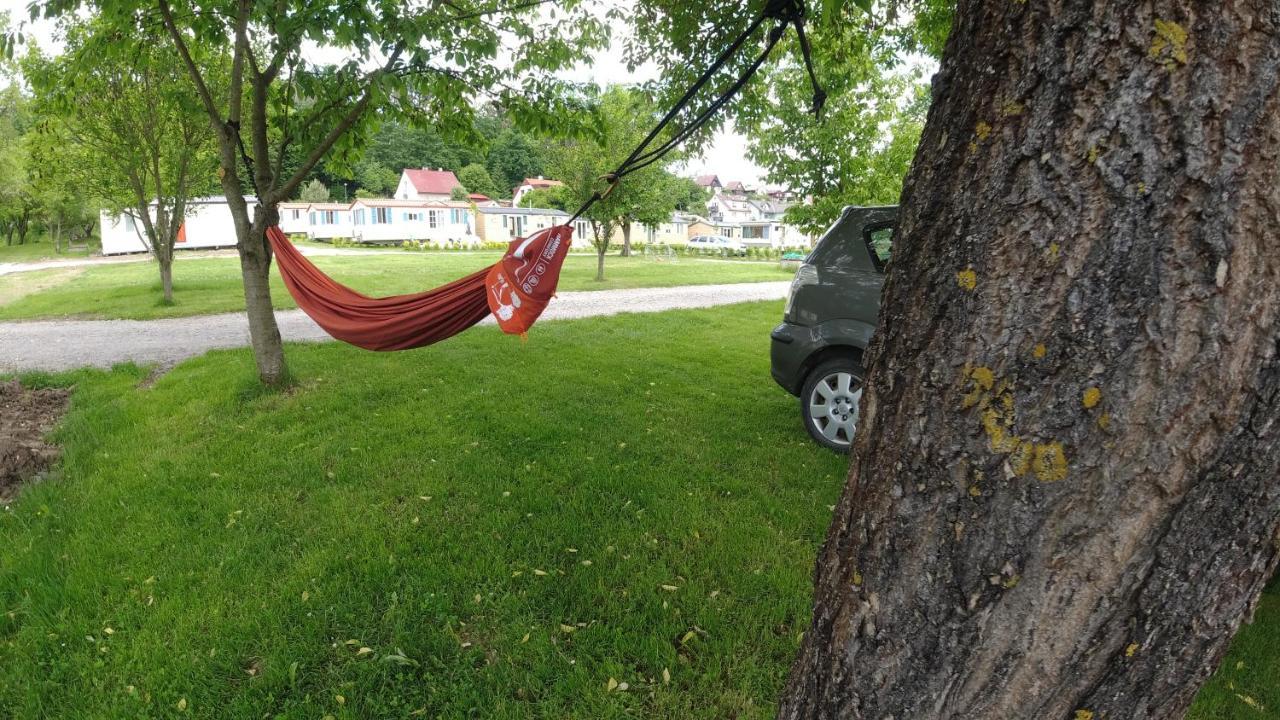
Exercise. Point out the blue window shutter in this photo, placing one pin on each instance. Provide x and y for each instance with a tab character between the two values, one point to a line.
312	219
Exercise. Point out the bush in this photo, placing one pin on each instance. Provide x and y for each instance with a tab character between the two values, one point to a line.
342	242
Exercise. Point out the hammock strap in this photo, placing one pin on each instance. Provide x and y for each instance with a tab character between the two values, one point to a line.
786	12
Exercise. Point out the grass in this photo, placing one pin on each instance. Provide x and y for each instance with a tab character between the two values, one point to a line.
504	527
37	249
520	523
213	285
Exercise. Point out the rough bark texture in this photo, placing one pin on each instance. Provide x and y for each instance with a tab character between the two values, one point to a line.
626	239
1063	497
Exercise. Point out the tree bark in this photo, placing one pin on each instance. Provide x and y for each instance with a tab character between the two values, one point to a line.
166	278
1062	500
255	270
626	239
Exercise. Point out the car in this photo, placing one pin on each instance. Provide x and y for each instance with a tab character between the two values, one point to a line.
827	323
718	243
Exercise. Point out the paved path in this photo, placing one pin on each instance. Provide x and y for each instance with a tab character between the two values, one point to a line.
68	344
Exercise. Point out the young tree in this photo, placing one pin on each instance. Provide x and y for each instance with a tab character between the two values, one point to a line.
475	178
420	61
314	192
1062	498
646	196
555	197
140	140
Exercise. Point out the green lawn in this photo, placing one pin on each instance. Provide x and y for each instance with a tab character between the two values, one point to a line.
482	528
213	285
37	249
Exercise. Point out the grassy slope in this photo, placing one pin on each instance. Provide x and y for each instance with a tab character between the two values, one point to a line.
216	531
213	285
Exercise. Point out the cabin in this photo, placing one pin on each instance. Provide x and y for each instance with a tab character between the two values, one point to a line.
387	221
503	224
329	220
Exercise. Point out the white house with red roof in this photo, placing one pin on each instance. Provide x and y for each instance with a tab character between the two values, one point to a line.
383	221
426	184
529	185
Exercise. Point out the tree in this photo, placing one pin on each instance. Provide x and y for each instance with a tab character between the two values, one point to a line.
475	178
459	193
512	158
860	152
17	203
645	196
399	61
1062	497
554	197
140	140
374	179
314	192
689	196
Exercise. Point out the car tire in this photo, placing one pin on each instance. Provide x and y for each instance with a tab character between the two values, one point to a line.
830	400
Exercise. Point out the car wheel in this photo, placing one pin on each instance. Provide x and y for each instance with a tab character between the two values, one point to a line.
829	402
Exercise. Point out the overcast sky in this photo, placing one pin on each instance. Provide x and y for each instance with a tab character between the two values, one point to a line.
726	156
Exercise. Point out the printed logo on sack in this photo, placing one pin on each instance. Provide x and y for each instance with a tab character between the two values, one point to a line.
523	282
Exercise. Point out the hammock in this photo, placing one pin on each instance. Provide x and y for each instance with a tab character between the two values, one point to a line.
518	287
516	290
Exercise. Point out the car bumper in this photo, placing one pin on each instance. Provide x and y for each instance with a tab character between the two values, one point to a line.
788	348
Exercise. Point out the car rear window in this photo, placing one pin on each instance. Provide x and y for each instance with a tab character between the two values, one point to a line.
879	239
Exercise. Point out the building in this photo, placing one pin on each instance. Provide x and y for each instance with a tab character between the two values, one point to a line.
673	232
208	224
391	222
723	207
426	184
708	182
529	185
503	224
293	217
329	220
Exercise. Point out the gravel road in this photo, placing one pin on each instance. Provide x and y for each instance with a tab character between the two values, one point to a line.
67	344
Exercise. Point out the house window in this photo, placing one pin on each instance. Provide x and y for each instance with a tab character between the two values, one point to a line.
128	223
330	217
358	216
433	218
311	219
297	214
382	216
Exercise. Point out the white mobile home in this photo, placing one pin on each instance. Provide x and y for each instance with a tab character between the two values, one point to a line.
329	220
293	217
208	224
395	221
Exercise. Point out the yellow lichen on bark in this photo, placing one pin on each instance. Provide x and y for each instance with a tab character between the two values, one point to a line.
1039	351
982	130
1084	715
1090	398
967	279
1168	44
994	399
1049	462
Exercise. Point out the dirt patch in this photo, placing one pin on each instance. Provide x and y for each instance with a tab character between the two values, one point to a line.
16	286
26	418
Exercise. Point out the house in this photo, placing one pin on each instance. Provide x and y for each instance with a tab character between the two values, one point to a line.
708	182
529	185
772	233
329	220
770	209
735	187
293	217
673	232
481	200
208	224
503	224
384	221
426	184
731	208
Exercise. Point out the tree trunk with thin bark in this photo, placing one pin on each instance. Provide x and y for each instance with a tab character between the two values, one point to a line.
1063	499
626	239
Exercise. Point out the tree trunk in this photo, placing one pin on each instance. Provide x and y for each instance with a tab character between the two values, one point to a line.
255	270
1062	498
166	276
600	251
57	236
626	239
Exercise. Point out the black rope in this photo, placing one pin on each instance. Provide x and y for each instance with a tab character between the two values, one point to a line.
786	12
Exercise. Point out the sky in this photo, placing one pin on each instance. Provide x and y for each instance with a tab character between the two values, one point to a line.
725	156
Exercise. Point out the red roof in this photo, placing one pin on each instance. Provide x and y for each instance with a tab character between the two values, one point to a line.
707	180
432	182
478	196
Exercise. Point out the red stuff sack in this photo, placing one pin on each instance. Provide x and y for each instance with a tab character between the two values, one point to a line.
522	283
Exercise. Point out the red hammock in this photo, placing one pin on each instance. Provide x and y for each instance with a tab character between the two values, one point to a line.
516	290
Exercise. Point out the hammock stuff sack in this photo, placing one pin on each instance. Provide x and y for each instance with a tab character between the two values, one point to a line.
516	290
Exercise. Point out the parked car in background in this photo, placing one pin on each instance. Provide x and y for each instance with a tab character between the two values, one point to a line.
718	243
830	314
